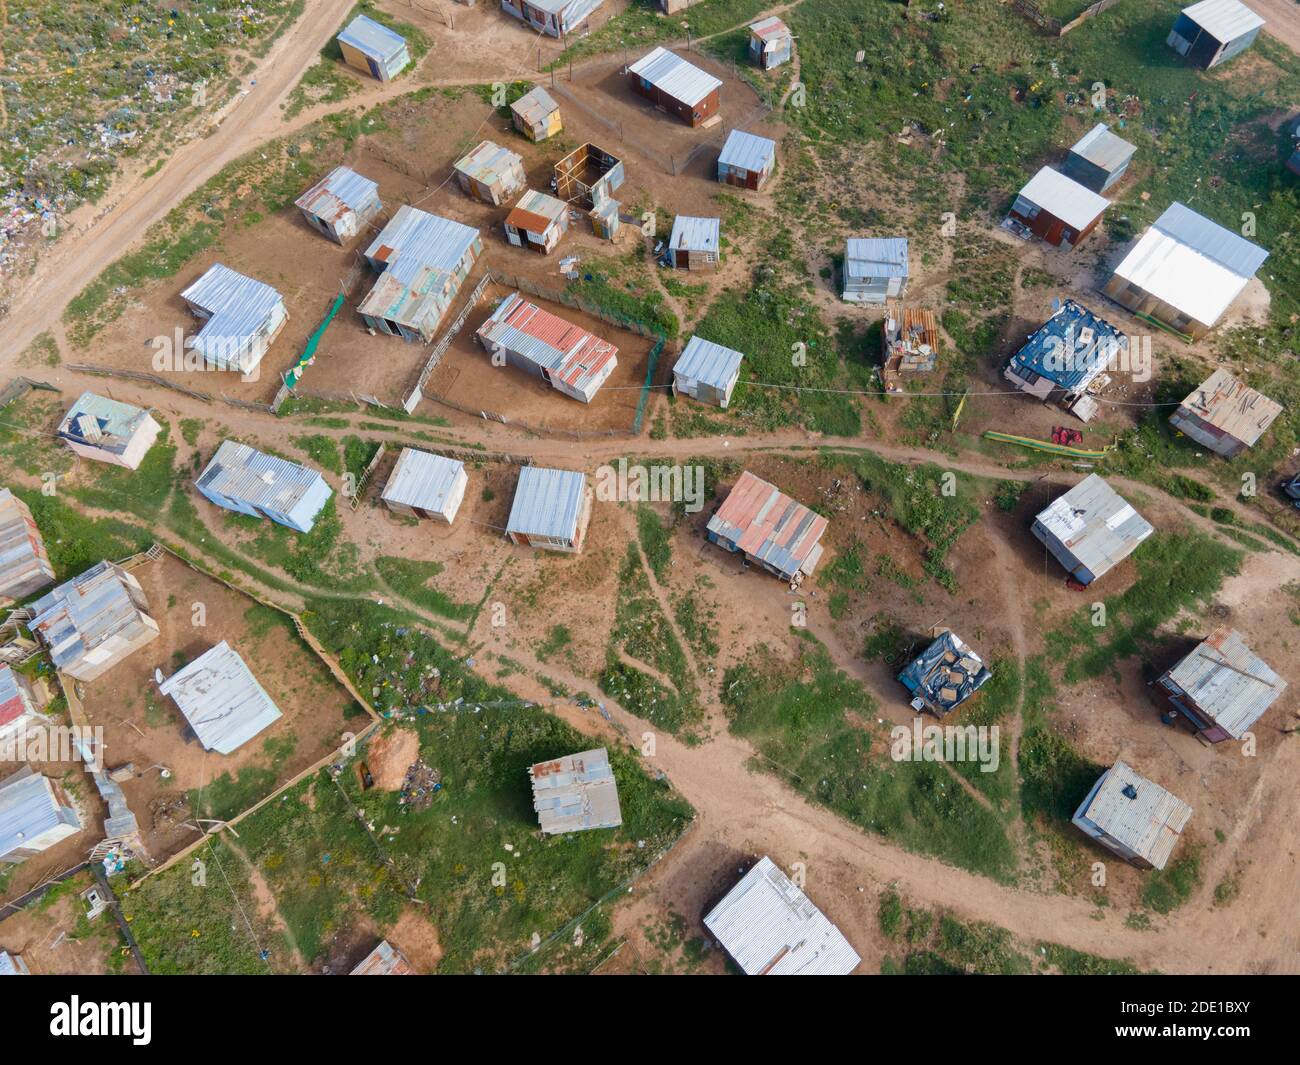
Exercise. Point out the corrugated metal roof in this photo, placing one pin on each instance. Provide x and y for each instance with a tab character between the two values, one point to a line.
384	960
1071	348
769	29
696	234
1224	20
22	550
534	206
747	151
238	307
108	425
1145	818
338	192
568	352
221	699
1191	263
1103	148
372	38
547	503
671	74
489	163
866	257
1094	524
1231	405
945	674
708	363
422	480
534	106
240	472
15	698
1064	198
766	524
29	807
420	252
555	7
12	964
575	793
1229	682
771	928
102	607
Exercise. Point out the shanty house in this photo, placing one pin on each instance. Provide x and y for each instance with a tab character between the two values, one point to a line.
24	564
694	243
340	204
769	528
92	622
1133	817
384	960
676	86
910	342
536	115
575	793
1185	271
243	479
425	486
568	357
1056	208
1090	529
1213	31
108	431
551	509
423	259
17	707
221	699
587	178
771	928
557	18
746	160
707	372
1225	414
35	814
944	675
875	269
770	42
1222	688
13	965
242	317
372	47
537	222
1064	360
1099	159
491	173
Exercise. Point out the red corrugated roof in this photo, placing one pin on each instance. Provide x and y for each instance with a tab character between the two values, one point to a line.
769	516
587	353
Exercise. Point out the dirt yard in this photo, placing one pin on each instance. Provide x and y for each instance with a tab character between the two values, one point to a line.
54	938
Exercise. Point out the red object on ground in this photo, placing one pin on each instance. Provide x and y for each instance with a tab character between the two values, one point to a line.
1066	436
1075	586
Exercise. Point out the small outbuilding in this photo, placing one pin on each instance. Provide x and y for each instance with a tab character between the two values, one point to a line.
770	42
1222	688
221	699
551	509
94	621
556	18
25	566
1133	817
384	960
1213	31
875	269
537	222
695	243
676	86
340	204
426	486
570	359
769	528
944	675
910	344
491	173
746	160
1090	529
35	814
241	318
536	115
1056	208
373	48
1225	414
707	372
771	928
575	793
1184	272
248	481
1099	159
107	430
1064	361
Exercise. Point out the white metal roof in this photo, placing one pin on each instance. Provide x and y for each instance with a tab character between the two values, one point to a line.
547	503
1103	148
338	192
671	74
1224	20
575	793
866	257
1064	198
695	234
423	480
1191	263
771	928
747	151
28	808
102	610
709	363
372	38
238	471
221	699
1138	813
238	307
1228	681
1095	524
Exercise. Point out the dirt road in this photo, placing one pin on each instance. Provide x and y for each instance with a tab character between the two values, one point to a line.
1282	20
